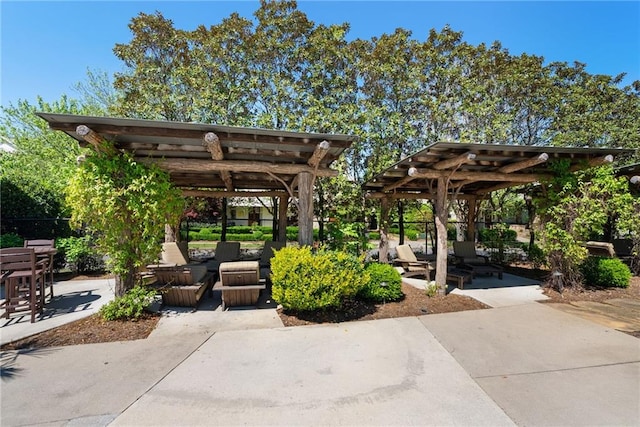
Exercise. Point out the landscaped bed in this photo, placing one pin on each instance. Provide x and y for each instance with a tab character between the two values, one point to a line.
415	303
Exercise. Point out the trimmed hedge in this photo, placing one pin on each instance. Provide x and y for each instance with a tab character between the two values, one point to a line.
605	272
304	281
379	274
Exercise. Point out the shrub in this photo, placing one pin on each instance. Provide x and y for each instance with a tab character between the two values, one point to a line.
385	284
129	306
497	234
11	240
374	235
412	234
80	254
605	272
304	281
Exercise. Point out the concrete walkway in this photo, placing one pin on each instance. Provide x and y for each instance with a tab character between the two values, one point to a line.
73	300
525	365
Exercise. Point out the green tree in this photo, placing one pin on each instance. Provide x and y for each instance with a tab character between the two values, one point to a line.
35	175
573	207
126	205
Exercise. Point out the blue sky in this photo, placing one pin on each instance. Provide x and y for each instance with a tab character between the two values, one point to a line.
48	46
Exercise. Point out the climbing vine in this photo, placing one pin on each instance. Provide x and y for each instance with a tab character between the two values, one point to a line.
126	205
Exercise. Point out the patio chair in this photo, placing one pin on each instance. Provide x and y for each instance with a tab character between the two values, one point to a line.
265	259
465	253
24	281
225	252
45	249
410	263
603	249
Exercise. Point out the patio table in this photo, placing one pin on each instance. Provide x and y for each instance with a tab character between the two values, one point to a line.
476	269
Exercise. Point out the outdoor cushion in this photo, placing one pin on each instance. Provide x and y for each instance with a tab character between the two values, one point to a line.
173	253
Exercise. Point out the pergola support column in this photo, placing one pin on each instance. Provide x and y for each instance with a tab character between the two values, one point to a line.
305	209
471	219
282	218
441	215
383	247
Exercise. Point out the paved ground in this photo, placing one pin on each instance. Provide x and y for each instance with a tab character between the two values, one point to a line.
526	364
73	300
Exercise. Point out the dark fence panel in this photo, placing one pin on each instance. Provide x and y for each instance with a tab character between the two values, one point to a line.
36	228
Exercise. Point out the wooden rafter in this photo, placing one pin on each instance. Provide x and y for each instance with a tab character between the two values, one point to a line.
455	161
95	139
596	161
195	134
318	154
212	143
513	167
417	196
214	193
478	176
199	165
399	183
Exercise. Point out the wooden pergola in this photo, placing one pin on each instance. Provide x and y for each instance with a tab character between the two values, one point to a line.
207	160
444	171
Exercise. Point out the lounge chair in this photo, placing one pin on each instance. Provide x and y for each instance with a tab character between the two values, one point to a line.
181	282
410	263
465	253
265	258
225	252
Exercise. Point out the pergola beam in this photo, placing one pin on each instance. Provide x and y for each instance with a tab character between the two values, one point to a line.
198	165
95	139
212	143
513	167
455	161
318	154
476	176
417	196
221	193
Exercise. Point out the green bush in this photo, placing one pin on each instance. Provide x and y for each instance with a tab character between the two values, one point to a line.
304	281
411	234
452	233
385	284
374	235
605	272
80	254
11	240
488	235
129	306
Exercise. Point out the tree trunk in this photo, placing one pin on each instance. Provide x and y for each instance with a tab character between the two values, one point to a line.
383	248
169	233
440	217
125	281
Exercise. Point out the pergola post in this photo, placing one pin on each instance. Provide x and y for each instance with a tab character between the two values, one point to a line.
305	209
441	232
223	233
282	218
383	248
471	219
